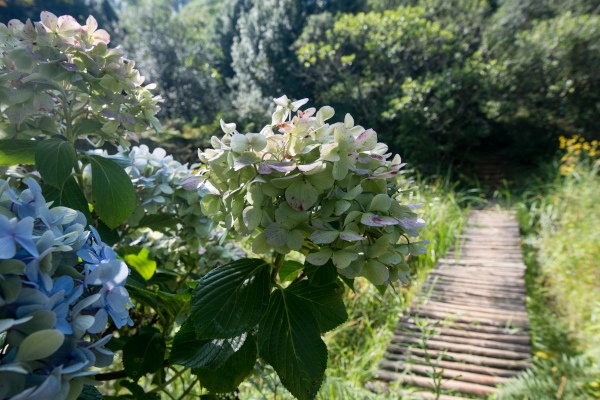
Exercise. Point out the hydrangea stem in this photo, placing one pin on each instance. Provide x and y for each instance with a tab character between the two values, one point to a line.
279	259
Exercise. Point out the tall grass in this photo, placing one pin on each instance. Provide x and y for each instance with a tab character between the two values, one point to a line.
563	254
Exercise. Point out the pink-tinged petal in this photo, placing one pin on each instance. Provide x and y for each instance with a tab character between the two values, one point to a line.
49	20
350	236
376	220
397	167
68	25
91	24
311	167
15	24
359	171
193	182
408	223
285	127
102	36
384	175
367	140
268	167
281	166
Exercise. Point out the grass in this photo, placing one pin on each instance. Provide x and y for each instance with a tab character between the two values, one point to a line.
562	250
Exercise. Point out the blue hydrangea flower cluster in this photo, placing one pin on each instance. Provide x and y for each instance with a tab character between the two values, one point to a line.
166	187
59	287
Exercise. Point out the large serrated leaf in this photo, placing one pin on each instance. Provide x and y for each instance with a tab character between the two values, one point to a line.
143	354
289	270
55	159
68	195
231	299
321	275
229	376
112	191
289	340
190	351
327	303
174	304
13	152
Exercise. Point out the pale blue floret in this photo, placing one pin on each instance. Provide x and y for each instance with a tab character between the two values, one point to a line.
44	243
14	233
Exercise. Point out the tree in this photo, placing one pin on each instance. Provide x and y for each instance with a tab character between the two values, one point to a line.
171	49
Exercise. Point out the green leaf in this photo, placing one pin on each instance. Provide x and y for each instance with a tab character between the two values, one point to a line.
174	304
157	222
55	159
86	127
289	270
190	351
228	377
289	340
142	263
348	281
230	300
90	392
137	391
321	275
381	289
326	301
112	191
13	152
143	354
39	345
68	195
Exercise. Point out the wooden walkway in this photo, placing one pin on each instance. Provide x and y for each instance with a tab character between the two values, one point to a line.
471	312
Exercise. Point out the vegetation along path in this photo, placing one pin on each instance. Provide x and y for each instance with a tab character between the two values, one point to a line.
467	331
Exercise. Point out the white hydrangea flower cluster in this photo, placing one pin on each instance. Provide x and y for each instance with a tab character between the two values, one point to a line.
328	190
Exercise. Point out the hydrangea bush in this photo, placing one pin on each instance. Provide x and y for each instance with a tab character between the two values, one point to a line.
60	84
303	184
320	203
59	287
328	191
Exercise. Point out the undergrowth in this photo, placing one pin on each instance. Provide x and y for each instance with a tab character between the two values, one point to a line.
562	249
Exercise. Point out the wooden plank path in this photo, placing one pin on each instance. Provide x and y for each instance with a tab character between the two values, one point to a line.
471	311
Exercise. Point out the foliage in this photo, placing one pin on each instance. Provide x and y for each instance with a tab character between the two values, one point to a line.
59	285
570	212
561	249
563	378
446	114
550	76
407	70
173	49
